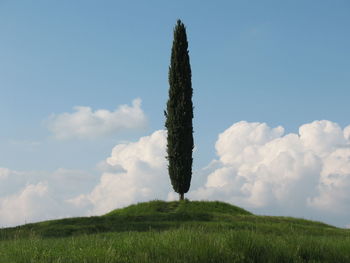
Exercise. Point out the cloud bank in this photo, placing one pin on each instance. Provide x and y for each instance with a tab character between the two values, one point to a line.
84	123
142	176
305	174
257	167
34	196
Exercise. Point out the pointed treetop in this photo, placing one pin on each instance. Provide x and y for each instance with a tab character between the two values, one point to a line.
180	24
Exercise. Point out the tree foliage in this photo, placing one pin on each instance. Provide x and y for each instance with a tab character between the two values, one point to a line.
179	114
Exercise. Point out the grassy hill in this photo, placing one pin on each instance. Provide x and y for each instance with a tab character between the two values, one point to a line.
159	231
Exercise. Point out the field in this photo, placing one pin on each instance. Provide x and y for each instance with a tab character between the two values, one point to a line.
185	231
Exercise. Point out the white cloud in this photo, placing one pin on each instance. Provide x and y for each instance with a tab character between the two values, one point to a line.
258	167
30	204
244	136
334	183
4	173
322	137
303	174
84	123
142	176
33	196
347	133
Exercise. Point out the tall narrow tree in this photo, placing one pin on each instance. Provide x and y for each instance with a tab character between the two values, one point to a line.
179	114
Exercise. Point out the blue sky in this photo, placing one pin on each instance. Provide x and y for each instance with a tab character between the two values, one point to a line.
276	62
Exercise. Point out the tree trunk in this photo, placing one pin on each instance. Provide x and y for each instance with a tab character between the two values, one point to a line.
181	196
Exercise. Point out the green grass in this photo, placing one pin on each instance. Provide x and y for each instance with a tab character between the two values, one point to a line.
186	231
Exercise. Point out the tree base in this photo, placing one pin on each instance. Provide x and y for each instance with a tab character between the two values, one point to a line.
181	196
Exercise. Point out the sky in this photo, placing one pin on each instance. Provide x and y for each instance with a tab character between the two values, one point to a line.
83	87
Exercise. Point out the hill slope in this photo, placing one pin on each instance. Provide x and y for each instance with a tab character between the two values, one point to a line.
161	215
159	231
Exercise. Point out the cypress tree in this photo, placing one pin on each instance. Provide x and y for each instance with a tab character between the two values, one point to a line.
179	114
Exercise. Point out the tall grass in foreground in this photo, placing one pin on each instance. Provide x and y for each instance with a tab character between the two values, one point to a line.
196	244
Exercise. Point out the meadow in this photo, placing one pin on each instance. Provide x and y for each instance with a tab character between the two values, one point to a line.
159	231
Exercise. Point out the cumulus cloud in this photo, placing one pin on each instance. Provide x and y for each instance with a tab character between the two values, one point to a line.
4	173
262	168
33	196
334	182
142	176
258	167
32	203
84	123
304	174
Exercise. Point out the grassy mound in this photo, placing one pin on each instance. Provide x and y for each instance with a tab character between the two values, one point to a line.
194	209
159	231
157	215
161	215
